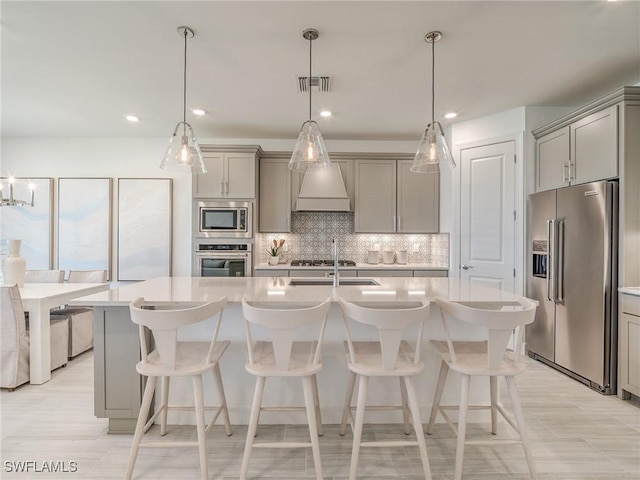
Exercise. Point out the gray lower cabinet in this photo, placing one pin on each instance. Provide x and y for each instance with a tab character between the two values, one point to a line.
630	344
118	388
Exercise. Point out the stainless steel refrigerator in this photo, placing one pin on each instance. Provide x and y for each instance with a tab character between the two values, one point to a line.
572	272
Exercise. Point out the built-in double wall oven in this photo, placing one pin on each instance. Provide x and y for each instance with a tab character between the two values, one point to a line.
222	238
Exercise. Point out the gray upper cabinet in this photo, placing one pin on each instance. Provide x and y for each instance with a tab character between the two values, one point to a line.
275	195
418	205
553	160
229	175
594	147
375	196
392	199
583	151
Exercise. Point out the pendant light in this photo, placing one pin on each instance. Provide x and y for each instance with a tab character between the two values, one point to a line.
309	152
432	150
183	152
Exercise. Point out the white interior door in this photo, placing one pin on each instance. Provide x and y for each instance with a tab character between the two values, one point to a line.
487	215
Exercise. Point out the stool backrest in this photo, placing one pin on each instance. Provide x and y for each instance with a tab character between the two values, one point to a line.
391	323
282	324
87	276
164	326
44	276
500	322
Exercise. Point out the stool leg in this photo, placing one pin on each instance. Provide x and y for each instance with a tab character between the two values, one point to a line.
165	405
417	425
316	400
253	425
351	381
142	419
357	431
442	378
200	425
223	399
307	385
462	424
493	387
517	409
405	408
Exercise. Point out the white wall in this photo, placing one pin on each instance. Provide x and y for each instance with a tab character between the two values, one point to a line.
140	158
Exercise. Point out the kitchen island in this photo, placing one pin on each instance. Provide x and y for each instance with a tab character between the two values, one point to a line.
118	387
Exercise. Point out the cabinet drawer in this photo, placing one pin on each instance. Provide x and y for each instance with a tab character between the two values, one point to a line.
271	273
385	273
430	273
630	304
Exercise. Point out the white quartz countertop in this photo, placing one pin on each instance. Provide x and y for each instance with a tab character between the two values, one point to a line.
358	266
630	291
170	290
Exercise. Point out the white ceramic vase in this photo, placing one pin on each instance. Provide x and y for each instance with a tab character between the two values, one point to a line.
273	260
14	266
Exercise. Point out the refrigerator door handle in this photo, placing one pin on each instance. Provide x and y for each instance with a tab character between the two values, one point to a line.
550	260
560	263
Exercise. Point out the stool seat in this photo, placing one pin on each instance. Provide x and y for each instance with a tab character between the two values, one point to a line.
368	355
471	359
189	360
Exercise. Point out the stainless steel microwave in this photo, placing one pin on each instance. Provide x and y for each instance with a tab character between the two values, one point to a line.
223	219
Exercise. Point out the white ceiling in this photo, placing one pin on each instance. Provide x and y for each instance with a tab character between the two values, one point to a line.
76	68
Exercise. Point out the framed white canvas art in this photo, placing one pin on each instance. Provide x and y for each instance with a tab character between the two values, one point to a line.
30	224
84	224
144	228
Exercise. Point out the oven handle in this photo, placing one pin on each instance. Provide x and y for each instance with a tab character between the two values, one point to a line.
210	254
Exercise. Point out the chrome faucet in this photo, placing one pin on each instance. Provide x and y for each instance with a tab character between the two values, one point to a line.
336	275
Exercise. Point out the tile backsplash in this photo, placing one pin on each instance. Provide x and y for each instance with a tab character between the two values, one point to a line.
312	232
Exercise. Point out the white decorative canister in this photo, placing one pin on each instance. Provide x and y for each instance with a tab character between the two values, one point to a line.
14	266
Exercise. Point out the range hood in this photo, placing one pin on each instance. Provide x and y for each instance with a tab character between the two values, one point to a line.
323	190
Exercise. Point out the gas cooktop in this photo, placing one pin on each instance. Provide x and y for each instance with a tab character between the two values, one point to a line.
322	263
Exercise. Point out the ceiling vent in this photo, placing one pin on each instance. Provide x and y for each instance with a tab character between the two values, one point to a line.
321	83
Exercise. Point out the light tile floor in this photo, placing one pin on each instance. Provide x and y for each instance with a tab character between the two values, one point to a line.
577	434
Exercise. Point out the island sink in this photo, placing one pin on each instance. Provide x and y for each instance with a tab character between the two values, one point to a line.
295	282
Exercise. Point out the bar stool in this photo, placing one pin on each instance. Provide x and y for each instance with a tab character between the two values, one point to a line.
174	358
488	358
389	356
283	356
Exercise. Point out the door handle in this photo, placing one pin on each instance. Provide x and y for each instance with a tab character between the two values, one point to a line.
221	188
550	260
466	267
560	263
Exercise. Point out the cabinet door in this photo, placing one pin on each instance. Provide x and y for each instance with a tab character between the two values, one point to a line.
275	196
210	184
418	200
552	153
240	175
594	147
375	191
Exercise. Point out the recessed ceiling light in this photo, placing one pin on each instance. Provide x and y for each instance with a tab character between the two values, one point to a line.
198	111
132	118
325	113
450	115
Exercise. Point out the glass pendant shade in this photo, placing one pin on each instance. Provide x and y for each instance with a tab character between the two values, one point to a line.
432	151
183	153
309	152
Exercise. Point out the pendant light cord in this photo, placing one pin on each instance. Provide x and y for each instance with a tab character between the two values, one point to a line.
433	80
184	83
310	42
